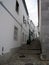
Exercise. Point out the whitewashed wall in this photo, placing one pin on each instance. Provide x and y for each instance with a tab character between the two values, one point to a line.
7	24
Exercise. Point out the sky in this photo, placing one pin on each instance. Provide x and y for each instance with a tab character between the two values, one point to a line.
33	10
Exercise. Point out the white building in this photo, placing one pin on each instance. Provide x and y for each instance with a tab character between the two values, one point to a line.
32	29
36	32
14	24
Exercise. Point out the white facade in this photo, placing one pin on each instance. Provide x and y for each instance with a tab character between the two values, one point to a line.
9	19
36	32
32	29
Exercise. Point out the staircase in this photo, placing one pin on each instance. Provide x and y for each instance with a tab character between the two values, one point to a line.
33	48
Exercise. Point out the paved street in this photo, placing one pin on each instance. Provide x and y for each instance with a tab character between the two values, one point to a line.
27	55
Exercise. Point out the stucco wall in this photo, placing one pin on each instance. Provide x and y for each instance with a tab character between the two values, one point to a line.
7	23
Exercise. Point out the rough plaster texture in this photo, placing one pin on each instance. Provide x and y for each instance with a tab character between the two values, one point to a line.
44	27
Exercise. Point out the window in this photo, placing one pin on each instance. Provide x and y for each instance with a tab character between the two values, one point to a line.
23	36
15	33
24	20
28	20
17	6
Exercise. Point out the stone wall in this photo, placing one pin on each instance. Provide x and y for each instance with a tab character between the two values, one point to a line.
45	28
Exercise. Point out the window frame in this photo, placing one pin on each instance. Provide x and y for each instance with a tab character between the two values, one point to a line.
17	6
15	33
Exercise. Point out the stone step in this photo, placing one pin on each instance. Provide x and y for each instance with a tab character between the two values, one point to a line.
30	47
29	51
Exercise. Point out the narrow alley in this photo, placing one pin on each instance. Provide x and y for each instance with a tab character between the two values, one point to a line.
24	32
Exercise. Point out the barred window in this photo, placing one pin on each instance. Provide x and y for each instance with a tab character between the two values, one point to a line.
15	33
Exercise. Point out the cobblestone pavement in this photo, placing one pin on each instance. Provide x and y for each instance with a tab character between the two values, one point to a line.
21	58
18	60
